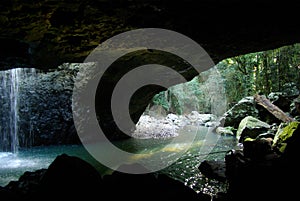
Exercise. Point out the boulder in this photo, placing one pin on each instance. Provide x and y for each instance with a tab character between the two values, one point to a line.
251	127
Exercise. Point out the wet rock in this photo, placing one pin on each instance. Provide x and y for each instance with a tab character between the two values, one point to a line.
213	169
45	108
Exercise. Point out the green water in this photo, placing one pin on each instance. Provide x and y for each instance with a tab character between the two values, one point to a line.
184	168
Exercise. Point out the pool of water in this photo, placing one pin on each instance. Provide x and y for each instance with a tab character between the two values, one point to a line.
203	146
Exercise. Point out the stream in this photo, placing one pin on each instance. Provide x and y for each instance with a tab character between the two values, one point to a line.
213	147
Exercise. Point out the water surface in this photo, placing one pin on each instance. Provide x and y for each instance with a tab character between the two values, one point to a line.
212	147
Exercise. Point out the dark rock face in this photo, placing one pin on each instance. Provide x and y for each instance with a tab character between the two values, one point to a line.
48	33
71	177
45	108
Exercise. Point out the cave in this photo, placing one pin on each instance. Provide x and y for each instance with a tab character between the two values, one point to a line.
36	36
49	35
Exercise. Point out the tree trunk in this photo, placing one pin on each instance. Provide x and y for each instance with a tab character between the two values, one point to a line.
273	109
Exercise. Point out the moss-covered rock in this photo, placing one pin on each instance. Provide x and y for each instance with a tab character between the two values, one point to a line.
283	135
251	127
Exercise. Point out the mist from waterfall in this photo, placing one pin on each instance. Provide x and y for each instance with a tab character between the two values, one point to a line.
10	81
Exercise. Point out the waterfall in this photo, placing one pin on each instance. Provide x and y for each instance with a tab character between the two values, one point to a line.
10	81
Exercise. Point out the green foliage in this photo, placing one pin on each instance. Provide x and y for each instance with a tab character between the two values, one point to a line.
276	70
161	99
199	94
261	72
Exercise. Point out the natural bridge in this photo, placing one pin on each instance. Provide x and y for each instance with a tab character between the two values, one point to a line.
46	34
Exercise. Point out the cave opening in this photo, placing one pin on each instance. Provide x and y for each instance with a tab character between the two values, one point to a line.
37	122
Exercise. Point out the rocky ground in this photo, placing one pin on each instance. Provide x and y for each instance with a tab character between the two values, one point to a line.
158	126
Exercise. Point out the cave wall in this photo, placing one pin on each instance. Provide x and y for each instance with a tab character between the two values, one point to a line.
45	107
48	33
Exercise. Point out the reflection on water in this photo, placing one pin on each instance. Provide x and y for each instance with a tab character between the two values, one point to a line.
184	168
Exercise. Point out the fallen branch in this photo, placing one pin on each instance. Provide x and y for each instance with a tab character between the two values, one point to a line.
273	109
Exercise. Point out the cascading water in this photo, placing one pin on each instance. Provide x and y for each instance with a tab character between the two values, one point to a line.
9	93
